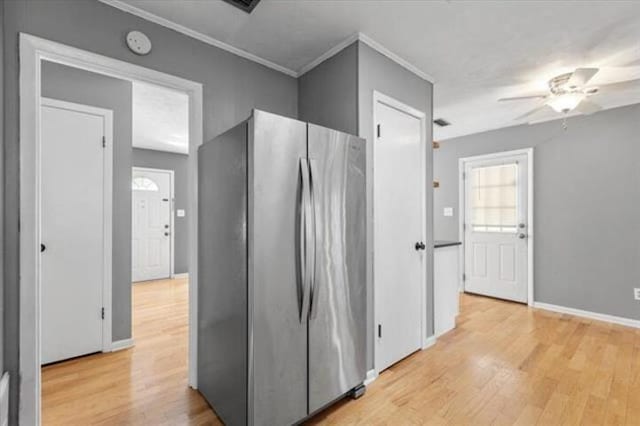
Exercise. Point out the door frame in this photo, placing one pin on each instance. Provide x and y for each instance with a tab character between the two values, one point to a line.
172	197
33	50
107	200
380	98
462	162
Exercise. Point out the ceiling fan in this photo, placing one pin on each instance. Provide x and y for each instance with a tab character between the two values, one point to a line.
569	91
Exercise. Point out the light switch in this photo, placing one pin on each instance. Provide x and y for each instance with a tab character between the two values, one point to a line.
180	213
448	211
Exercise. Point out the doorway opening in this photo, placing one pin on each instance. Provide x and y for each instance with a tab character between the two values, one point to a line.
152	224
496	225
88	187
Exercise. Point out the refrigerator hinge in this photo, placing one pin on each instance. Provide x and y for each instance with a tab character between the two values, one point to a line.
464	277
380	331
104	142
378	130
102	313
358	391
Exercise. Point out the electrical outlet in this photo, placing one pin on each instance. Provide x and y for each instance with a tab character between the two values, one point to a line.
636	293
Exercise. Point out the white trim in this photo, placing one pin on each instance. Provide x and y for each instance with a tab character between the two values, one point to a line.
180	276
151	17
329	53
125	7
380	98
395	58
120	345
172	197
371	377
372	44
32	51
431	340
628	322
372	374
528	152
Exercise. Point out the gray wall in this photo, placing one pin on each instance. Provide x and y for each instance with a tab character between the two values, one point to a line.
338	93
377	72
232	87
83	87
328	94
587	205
1	185
179	164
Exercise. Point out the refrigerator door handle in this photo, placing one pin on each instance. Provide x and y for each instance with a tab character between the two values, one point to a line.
313	311
304	229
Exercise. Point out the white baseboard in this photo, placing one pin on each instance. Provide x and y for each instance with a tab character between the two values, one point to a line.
180	276
588	314
372	374
430	341
371	377
119	345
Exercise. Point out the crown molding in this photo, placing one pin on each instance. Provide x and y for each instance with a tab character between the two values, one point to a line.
329	53
395	58
118	4
126	7
372	44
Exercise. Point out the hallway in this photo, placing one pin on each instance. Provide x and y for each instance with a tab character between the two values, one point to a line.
144	385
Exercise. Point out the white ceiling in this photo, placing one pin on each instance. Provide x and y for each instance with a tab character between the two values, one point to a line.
476	52
160	118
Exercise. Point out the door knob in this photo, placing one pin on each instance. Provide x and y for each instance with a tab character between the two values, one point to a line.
522	236
166	234
420	245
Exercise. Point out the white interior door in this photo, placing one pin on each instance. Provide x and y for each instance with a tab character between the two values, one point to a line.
399	218
152	205
73	264
496	228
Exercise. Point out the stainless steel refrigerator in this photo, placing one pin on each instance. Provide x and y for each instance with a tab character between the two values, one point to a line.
281	270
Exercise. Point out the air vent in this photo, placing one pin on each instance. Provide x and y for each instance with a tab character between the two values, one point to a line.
245	5
441	122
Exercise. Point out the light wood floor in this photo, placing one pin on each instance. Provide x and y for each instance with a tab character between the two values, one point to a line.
144	385
504	364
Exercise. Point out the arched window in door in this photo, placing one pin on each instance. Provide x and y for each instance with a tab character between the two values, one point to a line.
142	183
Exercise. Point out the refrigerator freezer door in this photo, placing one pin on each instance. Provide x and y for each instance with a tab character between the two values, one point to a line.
222	274
338	314
277	337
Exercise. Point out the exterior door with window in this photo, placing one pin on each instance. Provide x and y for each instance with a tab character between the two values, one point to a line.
495	227
152	205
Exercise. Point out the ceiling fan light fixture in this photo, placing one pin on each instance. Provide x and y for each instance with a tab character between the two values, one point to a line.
566	102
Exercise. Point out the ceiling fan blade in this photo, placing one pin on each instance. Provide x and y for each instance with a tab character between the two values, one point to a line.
519	98
581	76
533	111
619	86
588	107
